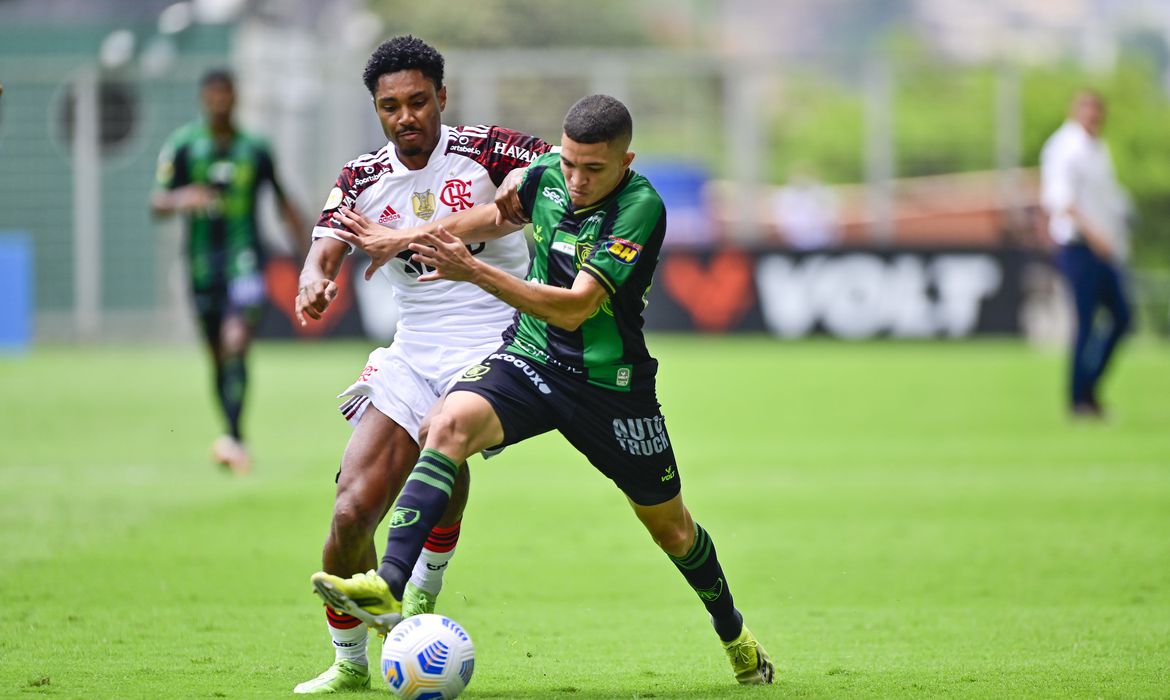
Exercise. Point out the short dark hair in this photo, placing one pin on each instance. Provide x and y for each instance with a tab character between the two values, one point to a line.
403	53
598	118
218	76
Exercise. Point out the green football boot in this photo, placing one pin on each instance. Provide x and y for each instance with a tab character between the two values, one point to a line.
416	601
365	596
749	661
340	677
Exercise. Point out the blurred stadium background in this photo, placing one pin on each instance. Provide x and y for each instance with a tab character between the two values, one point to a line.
861	169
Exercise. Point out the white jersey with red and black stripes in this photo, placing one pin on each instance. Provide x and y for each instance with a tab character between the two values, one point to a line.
464	170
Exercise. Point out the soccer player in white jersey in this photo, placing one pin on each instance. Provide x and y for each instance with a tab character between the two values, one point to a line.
425	172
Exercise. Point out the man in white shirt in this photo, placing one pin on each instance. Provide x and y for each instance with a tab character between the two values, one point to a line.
1087	211
425	172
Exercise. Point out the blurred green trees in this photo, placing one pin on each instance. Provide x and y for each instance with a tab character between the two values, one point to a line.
945	121
518	23
944	113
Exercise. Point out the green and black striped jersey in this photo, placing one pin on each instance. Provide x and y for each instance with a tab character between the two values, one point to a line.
223	242
617	241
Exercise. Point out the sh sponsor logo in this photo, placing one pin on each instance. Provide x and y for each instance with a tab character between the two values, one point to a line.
555	195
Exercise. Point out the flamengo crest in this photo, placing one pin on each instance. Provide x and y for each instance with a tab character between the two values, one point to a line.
457	195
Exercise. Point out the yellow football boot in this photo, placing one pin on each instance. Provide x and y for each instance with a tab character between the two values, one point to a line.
365	596
749	661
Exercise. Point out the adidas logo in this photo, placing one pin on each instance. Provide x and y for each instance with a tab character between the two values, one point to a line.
388	215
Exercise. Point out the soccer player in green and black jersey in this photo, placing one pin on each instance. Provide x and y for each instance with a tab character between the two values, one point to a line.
574	361
212	172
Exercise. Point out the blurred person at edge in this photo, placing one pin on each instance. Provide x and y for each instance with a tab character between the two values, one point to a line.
1088	211
211	171
807	211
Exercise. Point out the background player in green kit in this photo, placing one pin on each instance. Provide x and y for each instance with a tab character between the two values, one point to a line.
575	360
212	171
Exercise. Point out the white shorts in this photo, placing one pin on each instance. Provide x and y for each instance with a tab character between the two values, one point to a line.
405	380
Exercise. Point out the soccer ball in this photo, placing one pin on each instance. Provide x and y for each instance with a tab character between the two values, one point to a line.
427	657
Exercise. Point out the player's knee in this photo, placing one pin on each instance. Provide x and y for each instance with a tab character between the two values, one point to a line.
447	433
672	537
352	519
234	337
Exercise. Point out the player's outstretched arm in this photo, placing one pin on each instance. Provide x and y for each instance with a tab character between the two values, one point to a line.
564	308
181	200
317	288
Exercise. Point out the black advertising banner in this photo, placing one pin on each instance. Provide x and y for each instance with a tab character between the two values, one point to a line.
851	294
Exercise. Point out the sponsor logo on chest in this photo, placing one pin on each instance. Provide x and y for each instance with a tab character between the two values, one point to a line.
463	145
389	215
221	173
555	195
369	174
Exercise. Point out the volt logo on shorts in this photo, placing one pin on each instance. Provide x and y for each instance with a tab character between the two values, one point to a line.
668	474
403	517
524	367
641	436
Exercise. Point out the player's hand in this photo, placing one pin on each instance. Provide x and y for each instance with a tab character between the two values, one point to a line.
1102	249
446	254
195	198
382	244
314	298
508	207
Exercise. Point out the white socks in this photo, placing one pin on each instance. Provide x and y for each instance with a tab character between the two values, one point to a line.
349	641
428	570
432	561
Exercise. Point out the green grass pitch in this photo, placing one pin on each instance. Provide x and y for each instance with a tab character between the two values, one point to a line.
896	520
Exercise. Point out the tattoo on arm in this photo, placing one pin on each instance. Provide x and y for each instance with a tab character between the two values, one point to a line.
525	308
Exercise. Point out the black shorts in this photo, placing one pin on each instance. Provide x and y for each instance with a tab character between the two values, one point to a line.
220	299
622	434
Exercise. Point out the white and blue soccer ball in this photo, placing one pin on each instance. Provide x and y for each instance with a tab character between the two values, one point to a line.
428	657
